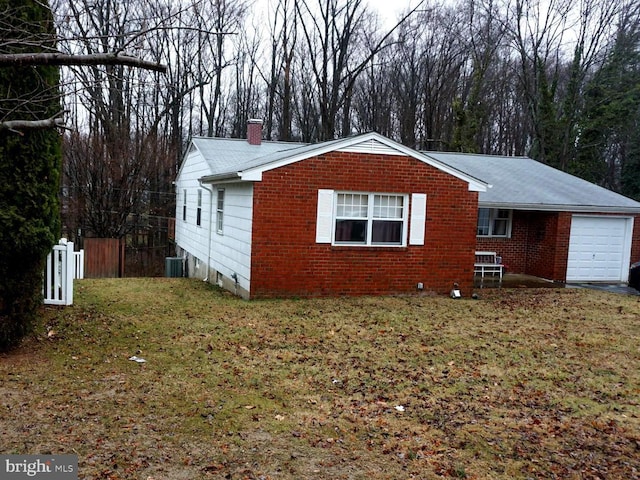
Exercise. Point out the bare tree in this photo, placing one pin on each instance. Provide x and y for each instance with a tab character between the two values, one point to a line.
374	98
244	95
483	35
215	22
54	57
537	33
406	75
442	56
551	75
339	46
277	73
61	59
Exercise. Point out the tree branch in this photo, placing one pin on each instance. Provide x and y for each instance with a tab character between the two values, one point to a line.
28	59
57	121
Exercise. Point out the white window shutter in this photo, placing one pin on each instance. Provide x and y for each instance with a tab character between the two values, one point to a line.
324	221
418	218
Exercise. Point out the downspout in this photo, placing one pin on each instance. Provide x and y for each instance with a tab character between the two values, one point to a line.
206	278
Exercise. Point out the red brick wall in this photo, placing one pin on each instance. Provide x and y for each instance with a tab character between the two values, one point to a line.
287	261
561	257
635	246
513	250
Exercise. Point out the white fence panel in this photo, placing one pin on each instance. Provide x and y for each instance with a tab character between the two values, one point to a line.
59	274
78	272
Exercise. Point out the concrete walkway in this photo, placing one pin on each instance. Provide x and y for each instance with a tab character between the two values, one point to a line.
621	288
515	280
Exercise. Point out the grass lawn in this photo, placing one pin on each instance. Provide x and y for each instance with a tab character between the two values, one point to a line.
524	383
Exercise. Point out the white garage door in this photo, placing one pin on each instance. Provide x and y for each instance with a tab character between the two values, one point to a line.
599	249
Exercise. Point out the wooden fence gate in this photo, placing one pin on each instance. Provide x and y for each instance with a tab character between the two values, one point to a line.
105	257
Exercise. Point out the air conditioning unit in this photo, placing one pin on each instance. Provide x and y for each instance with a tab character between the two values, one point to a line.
173	267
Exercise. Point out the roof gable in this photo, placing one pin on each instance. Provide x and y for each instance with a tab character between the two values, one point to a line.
233	162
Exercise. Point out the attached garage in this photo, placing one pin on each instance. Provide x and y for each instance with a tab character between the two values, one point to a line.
599	248
550	224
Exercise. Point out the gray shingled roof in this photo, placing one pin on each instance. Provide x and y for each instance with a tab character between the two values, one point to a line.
231	159
525	184
517	182
230	155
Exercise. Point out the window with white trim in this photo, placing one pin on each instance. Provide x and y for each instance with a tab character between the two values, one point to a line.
494	222
356	218
220	211
184	205
370	219
199	209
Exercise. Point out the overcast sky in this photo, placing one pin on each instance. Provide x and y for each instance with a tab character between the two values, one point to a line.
390	9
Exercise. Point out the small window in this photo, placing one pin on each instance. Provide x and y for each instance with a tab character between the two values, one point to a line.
184	205
494	222
199	209
220	211
370	219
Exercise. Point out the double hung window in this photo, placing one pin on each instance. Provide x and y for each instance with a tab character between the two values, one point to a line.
494	222
184	205
220	211
199	209
370	219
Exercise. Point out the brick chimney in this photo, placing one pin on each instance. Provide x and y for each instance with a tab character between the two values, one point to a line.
254	131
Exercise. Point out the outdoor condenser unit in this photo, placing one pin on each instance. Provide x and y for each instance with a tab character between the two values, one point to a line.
173	267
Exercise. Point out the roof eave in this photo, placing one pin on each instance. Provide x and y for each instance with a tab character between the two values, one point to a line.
561	208
231	177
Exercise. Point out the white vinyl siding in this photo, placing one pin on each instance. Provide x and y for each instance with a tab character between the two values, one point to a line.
229	253
189	237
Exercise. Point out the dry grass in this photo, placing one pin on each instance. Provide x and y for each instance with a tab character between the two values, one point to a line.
524	383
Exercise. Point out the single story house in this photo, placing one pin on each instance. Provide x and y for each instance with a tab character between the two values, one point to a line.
365	215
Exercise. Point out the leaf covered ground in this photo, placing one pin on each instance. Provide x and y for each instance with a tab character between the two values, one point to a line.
523	383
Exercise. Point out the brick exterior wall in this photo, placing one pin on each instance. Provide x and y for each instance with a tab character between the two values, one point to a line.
635	245
287	261
539	244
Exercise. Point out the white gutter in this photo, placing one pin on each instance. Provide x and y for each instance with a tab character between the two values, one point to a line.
232	177
545	207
